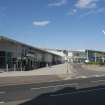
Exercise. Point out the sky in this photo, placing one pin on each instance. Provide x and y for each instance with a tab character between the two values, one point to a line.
64	24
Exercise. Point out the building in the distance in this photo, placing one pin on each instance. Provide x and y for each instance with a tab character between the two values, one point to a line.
77	56
80	56
15	55
60	52
86	56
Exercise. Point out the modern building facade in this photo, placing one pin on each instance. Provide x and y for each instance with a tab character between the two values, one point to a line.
95	56
60	52
80	56
77	56
19	56
83	56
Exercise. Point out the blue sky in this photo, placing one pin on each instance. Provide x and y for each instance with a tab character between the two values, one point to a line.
71	24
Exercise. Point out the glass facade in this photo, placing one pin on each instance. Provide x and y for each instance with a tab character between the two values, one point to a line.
2	59
6	58
96	56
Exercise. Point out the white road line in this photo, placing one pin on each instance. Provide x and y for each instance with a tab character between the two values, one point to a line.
98	81
83	77
90	76
74	84
97	75
2	102
2	92
83	91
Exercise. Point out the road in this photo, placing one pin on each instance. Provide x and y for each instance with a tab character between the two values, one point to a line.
30	91
71	96
23	92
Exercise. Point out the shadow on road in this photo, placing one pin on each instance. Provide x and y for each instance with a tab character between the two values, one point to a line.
71	96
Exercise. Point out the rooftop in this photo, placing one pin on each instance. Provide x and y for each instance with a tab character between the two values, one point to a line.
23	44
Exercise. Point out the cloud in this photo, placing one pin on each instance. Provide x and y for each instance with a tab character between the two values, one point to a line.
86	4
72	12
103	32
93	12
41	23
58	3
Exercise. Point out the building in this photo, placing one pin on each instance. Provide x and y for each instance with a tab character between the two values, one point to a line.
83	56
80	56
95	56
60	52
15	55
77	56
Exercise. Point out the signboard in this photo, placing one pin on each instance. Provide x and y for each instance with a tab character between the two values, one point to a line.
92	58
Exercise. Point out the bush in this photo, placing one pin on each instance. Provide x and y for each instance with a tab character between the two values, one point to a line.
96	63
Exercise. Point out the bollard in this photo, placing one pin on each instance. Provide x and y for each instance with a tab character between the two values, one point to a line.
14	67
7	67
47	65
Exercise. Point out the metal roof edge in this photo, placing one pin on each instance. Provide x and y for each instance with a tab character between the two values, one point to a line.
15	41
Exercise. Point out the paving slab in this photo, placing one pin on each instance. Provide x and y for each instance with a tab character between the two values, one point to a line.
53	70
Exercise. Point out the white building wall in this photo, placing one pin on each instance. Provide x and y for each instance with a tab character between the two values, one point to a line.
58	52
48	57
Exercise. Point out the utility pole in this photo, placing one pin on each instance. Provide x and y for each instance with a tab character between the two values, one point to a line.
67	65
87	55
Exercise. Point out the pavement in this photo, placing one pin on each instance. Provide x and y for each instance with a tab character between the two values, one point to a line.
53	70
94	67
47	74
79	71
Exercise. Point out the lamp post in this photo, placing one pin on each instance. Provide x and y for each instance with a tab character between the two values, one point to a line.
67	65
67	60
95	57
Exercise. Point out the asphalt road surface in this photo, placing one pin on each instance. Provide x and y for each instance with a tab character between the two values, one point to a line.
74	90
71	96
32	91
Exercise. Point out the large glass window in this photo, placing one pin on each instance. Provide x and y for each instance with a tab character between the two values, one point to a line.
2	59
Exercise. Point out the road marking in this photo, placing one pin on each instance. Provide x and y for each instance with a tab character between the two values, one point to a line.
97	75
90	76
76	84
2	102
98	81
83	76
82	91
2	92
